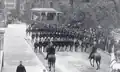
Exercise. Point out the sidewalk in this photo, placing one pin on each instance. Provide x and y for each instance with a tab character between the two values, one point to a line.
16	49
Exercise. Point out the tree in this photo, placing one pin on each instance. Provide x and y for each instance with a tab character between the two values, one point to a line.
117	11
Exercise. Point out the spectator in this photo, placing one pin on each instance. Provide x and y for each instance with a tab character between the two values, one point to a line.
20	68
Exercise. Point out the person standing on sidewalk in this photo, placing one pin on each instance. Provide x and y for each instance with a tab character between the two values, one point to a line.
20	68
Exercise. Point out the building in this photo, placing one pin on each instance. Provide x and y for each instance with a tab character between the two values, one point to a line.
2	14
10	4
29	4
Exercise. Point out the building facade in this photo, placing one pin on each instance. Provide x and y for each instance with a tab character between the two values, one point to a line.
2	14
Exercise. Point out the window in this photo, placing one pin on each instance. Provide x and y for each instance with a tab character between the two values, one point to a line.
32	5
71	2
43	14
51	4
50	16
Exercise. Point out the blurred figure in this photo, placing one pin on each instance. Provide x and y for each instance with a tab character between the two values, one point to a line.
50	50
20	68
94	48
36	45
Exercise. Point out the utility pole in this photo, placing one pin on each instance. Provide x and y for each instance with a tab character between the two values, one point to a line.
18	8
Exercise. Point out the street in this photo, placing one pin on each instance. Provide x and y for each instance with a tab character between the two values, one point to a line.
70	34
79	62
75	61
17	49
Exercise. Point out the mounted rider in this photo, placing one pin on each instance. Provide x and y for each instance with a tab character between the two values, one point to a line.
50	50
93	50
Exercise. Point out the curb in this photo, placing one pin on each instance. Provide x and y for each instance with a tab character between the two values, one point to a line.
35	53
1	60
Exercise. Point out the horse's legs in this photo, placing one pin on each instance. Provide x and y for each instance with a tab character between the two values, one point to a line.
49	65
91	62
97	64
54	67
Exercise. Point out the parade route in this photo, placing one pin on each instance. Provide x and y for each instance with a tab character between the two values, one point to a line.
76	61
17	49
79	62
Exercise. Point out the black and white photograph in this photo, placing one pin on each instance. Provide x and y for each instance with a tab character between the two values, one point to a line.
59	35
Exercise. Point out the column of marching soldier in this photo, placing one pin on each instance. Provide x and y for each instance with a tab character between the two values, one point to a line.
60	41
65	40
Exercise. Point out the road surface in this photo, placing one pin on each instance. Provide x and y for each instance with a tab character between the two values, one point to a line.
76	61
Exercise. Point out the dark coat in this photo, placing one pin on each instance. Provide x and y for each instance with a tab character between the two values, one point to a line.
21	68
36	44
51	50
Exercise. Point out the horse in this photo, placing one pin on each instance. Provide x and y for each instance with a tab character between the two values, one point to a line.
51	62
95	57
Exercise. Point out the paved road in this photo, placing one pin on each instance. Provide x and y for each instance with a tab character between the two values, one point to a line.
16	49
77	61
